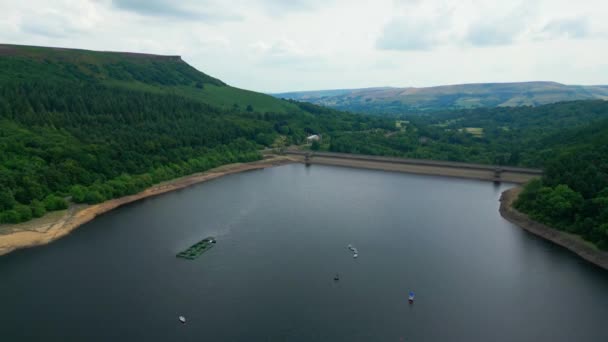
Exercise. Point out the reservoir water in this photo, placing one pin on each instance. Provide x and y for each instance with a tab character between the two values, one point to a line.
282	236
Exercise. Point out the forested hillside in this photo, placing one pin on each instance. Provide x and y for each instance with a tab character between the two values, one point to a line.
150	73
573	194
522	136
89	126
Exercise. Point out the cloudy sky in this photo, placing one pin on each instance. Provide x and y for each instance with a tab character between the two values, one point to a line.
283	45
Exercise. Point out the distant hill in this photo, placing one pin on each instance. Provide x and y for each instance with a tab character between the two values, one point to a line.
407	100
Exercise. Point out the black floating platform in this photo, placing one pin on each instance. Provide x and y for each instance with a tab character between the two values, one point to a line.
197	249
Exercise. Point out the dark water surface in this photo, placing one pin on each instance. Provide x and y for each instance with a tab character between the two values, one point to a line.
282	235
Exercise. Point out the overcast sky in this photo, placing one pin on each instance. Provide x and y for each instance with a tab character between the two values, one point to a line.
283	45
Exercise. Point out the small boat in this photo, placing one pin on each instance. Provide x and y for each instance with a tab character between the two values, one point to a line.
355	255
337	277
351	248
182	319
411	296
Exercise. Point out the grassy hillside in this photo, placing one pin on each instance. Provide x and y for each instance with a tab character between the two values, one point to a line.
412	100
87	126
153	73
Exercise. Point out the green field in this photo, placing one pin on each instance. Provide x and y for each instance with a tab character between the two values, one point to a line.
475	131
401	124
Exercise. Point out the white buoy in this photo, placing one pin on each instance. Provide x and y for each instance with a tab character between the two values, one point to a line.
182	319
355	255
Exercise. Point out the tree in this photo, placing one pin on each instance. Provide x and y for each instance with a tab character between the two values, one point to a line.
527	199
78	193
94	197
600	233
25	213
563	203
315	146
53	202
9	216
38	208
7	201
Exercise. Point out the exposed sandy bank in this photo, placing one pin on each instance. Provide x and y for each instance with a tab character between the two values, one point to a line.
53	226
574	243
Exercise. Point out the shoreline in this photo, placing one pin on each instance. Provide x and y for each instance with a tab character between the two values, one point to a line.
45	231
48	229
574	243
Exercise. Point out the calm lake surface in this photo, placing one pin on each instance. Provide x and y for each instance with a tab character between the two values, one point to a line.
282	235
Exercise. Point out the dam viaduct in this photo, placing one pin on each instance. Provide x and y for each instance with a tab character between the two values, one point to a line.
496	173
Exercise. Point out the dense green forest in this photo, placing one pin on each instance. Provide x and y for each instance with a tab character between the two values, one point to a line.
89	126
573	194
522	136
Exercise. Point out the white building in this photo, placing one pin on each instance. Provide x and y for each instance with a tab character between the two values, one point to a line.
312	138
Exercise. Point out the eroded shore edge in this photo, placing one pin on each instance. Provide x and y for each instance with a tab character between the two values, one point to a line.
76	216
573	243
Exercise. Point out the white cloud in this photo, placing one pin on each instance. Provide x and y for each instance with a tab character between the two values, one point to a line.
52	22
567	27
275	45
502	24
205	11
49	24
281	6
280	51
418	25
425	25
408	33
